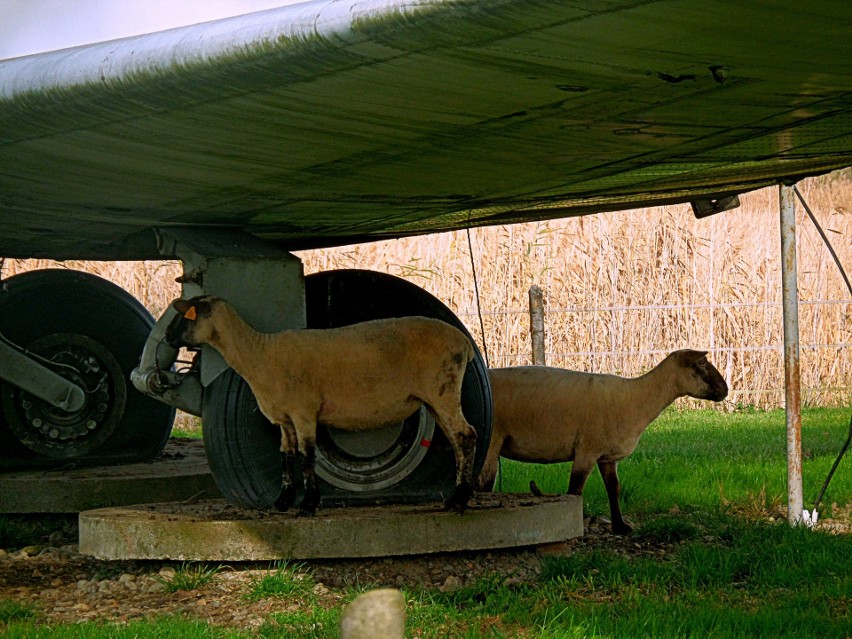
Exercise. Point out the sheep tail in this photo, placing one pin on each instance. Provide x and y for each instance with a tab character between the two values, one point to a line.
534	489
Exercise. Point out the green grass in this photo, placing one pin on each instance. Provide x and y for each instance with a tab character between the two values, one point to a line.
159	628
194	433
191	434
699	486
737	585
750	580
292	582
14	611
187	426
316	623
189	576
286	580
666	529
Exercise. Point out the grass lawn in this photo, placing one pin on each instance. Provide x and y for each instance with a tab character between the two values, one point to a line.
706	490
714	484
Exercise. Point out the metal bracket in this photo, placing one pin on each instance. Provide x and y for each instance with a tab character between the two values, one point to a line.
154	375
710	206
263	282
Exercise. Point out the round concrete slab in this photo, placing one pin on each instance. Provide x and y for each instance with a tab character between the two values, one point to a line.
216	531
179	473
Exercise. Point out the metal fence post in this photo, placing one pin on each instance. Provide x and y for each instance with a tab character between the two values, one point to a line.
792	378
537	325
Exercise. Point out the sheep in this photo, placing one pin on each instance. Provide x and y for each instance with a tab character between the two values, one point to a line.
357	377
549	415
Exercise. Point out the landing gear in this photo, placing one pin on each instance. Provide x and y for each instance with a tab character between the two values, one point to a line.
404	463
89	332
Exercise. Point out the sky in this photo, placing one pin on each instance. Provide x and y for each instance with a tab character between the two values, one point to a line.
33	26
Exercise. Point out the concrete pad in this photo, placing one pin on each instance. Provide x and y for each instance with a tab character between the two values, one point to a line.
179	473
216	531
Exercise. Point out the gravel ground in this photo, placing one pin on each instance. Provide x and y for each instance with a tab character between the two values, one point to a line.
67	587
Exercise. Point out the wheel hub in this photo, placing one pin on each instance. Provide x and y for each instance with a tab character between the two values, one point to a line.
375	459
51	431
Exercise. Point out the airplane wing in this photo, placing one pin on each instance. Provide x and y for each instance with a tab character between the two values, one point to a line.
342	121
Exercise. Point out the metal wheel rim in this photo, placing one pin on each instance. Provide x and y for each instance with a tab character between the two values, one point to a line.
363	471
52	432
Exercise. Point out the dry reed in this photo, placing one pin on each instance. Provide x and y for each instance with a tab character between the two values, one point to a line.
621	289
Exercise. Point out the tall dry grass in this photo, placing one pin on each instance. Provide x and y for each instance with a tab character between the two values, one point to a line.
622	289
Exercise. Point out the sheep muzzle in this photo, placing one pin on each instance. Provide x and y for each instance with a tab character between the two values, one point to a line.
176	332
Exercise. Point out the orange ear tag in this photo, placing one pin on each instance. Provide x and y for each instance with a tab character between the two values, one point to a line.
190	314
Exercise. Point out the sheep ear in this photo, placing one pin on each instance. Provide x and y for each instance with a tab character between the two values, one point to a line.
697	356
184	307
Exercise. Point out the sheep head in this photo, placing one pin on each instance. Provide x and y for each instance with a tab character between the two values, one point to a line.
698	377
191	326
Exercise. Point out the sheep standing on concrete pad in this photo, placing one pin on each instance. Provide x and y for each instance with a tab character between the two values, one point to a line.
548	415
357	377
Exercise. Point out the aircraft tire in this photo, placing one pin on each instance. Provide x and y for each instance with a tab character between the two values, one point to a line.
410	463
83	318
242	446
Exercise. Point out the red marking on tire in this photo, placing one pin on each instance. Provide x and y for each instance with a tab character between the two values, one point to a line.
425	443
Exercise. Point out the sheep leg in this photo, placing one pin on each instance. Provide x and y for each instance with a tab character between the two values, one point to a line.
580	470
609	472
488	475
311	499
306	429
288	485
462	438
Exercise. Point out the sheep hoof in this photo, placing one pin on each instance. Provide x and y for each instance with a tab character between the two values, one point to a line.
309	504
458	501
621	529
285	498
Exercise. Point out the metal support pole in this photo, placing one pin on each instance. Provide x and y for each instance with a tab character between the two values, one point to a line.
792	379
537	325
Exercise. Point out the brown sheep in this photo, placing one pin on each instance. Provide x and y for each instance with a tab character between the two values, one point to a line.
549	415
357	377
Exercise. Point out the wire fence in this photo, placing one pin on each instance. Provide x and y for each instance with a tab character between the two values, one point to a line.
828	381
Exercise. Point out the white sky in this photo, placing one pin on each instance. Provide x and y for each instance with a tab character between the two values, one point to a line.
33	26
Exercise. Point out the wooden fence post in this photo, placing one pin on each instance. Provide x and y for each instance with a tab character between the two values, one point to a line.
537	325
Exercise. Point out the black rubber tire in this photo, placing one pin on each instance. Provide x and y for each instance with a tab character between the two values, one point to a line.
242	446
37	304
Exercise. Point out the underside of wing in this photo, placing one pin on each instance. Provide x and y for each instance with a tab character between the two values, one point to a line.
329	123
